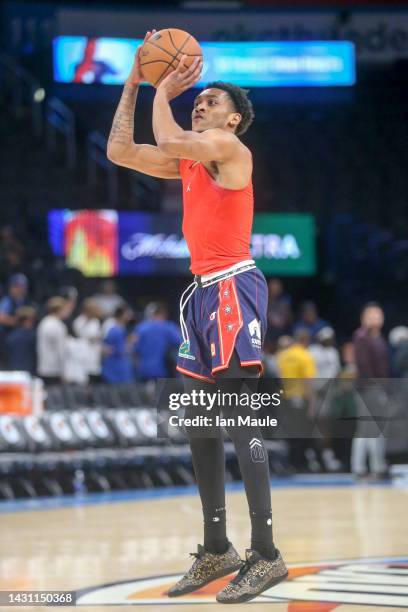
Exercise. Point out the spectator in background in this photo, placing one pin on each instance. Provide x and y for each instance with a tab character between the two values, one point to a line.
398	339
372	361
343	405
269	360
280	317
116	361
309	320
348	358
76	361
156	343
296	367
328	367
370	347
325	354
108	299
52	334
296	362
88	327
21	341
107	324
8	241
15	298
11	252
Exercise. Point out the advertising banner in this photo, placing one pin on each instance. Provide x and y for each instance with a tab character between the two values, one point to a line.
105	243
78	59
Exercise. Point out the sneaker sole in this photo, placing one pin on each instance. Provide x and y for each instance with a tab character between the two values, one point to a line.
248	597
219	574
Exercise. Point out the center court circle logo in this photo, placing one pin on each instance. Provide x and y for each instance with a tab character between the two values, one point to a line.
371	582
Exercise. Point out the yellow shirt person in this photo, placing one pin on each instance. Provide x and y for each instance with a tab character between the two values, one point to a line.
296	364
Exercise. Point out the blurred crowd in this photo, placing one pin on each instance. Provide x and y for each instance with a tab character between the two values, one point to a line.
101	339
326	383
98	339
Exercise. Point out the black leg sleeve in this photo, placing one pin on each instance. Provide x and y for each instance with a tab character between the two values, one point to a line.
209	467
252	458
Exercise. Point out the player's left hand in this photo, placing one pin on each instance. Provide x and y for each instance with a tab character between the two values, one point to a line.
182	78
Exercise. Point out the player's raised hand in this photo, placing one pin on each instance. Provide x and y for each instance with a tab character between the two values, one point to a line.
182	78
135	77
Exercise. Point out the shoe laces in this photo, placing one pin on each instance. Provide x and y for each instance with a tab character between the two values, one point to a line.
242	571
198	554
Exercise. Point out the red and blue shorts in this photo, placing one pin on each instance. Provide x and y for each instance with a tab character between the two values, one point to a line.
220	318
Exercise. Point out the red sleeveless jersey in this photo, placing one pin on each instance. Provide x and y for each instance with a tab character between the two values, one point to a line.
217	222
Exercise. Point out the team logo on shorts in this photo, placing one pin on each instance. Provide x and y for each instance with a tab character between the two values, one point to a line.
255	332
212	316
184	351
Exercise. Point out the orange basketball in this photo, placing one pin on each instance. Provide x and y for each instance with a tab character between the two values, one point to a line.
161	54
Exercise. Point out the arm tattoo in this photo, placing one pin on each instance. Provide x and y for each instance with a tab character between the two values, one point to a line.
123	121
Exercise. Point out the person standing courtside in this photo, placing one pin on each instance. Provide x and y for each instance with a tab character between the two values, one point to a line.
52	334
116	362
21	341
16	298
88	327
372	357
156	339
297	368
225	322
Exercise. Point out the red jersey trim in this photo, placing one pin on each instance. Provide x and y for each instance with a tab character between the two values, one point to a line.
244	364
256	362
227	342
194	375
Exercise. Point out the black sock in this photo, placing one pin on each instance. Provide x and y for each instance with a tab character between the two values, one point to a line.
261	536
215	537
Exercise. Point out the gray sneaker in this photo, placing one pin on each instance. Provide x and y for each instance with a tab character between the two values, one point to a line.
256	576
206	568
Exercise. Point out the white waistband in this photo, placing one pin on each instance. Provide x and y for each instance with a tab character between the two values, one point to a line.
208	277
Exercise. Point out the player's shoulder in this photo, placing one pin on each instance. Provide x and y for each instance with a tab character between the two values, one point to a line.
229	138
220	134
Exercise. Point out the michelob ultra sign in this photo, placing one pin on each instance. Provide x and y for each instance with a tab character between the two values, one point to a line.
105	243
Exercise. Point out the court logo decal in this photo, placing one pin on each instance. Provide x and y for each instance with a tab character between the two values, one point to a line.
325	586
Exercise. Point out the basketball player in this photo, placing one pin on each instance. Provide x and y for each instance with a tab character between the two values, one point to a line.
226	304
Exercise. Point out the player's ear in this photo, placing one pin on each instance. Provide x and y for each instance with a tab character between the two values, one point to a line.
234	120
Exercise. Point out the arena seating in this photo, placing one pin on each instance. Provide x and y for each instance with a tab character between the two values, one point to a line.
99	438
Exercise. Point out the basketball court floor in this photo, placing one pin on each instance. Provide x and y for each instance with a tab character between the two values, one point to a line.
346	546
